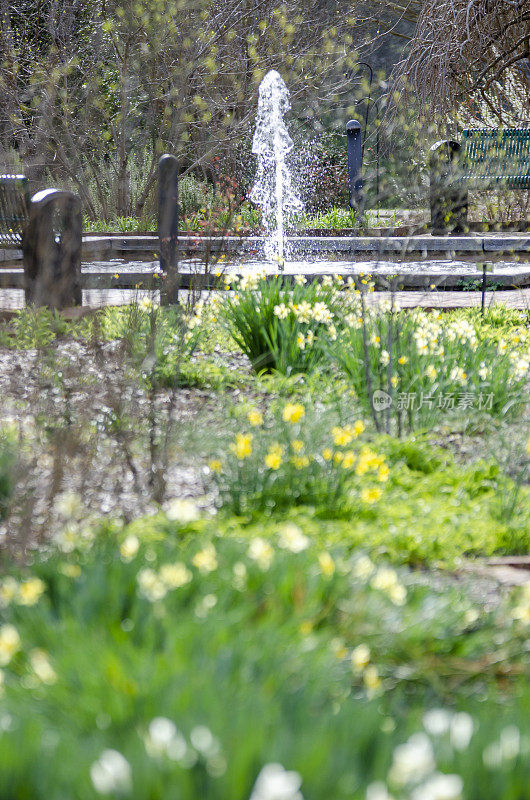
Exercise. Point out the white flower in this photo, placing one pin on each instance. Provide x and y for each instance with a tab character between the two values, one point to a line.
291	538
321	313
378	791
412	761
363	568
276	783
248	282
175	575
261	552
439	787
129	547
483	371
437	721
303	311
69	505
461	730
458	375
300	280
385	358
182	511
510	741
385	579
151	586
204	741
163	739
42	667
360	656
281	311
111	773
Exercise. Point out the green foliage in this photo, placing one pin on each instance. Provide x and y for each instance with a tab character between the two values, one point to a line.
167	640
158	339
431	366
402	498
8	455
335	218
118	224
38	327
279	326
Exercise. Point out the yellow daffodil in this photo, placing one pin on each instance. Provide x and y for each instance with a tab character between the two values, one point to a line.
242	448
349	459
9	643
255	417
326	563
300	461
30	591
370	495
273	460
293	412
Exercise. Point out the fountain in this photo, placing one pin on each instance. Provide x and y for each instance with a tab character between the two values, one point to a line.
273	188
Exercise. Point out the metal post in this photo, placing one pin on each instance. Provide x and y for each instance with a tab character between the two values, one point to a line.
355	163
484	284
168	224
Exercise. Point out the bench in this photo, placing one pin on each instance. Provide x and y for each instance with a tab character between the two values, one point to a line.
486	159
48	230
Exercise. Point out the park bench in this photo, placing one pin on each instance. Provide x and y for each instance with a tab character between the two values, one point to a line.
486	159
47	227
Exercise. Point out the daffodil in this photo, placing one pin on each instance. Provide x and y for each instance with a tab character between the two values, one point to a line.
293	412
370	495
326	563
255	417
242	448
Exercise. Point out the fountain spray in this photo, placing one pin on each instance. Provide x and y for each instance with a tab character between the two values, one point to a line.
273	189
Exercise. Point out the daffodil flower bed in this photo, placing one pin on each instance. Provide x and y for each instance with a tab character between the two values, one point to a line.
280	326
423	366
180	656
402	498
277	462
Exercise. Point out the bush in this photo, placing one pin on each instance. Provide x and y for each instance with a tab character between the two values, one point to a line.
163	659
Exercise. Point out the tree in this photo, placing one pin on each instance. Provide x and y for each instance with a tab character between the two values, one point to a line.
469	55
96	90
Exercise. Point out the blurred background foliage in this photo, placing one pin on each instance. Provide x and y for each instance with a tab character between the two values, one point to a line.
93	91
